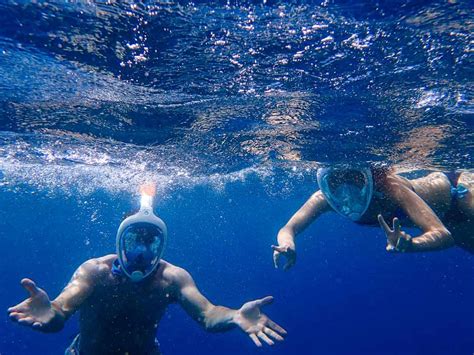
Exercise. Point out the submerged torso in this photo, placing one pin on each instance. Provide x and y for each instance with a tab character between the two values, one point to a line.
122	317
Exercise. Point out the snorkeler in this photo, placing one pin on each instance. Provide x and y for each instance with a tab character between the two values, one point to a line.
122	297
371	195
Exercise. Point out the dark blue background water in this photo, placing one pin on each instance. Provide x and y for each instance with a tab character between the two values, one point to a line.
229	108
346	295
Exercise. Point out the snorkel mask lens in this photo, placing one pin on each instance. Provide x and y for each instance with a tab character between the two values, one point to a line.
141	240
141	246
348	191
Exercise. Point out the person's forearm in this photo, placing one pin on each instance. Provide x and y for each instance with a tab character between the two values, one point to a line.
431	241
312	209
219	319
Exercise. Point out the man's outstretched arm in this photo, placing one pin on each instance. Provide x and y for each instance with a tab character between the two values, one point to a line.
218	318
39	313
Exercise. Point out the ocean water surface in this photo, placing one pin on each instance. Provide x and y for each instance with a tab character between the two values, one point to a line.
229	107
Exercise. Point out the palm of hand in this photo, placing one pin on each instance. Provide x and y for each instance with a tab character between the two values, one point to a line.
252	320
38	307
256	324
35	310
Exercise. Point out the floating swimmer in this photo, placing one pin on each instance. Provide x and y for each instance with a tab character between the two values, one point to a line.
122	297
441	205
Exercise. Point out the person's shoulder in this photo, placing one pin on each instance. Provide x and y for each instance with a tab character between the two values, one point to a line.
174	274
99	266
106	260
394	182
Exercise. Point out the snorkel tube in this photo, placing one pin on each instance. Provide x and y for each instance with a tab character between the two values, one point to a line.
143	220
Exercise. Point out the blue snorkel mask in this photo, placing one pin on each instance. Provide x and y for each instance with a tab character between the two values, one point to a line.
141	240
347	190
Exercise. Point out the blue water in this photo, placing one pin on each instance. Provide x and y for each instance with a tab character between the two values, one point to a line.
229	108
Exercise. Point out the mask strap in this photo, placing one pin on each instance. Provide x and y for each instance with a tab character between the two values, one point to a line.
116	268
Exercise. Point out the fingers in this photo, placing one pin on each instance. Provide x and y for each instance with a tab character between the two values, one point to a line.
30	286
265	338
273	334
276	327
26	321
20	318
263	335
264	301
288	252
396	225
279	248
23	319
276	258
384	224
255	340
289	264
18	308
404	242
276	254
16	316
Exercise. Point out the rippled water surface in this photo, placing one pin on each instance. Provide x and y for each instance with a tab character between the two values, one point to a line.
189	92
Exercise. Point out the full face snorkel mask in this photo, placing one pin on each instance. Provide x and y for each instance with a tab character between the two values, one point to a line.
141	240
347	190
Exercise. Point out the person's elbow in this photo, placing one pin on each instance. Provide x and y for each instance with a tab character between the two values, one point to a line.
446	238
437	239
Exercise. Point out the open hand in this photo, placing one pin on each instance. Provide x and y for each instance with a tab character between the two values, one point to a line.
397	240
288	250
36	311
256	324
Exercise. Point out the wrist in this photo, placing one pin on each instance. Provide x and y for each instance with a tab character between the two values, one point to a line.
287	240
219	319
236	317
404	244
290	244
57	320
57	309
